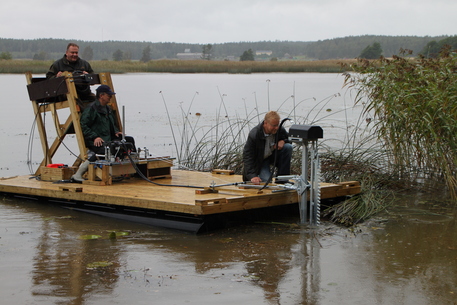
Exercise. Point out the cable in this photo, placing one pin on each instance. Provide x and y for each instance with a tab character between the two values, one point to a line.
138	171
147	179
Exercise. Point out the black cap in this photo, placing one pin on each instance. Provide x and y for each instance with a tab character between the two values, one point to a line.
105	89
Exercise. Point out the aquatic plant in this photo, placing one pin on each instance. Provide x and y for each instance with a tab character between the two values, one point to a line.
413	105
361	207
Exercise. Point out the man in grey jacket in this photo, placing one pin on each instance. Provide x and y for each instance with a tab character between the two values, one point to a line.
264	141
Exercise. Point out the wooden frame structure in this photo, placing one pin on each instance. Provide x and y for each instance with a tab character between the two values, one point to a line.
52	95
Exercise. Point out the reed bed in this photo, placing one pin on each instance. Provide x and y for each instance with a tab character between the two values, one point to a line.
185	66
413	105
413	102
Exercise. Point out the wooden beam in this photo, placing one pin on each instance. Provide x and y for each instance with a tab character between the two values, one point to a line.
105	79
41	129
74	113
223	171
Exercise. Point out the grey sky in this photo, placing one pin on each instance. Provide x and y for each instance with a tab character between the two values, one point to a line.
209	21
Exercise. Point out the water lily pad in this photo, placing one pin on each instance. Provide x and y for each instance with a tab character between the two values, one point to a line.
99	265
57	217
90	236
226	240
114	234
118	234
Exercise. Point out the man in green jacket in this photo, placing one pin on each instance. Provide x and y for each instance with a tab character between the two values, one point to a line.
99	127
98	121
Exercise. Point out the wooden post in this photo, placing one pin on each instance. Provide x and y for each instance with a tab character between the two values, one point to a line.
72	95
105	79
41	129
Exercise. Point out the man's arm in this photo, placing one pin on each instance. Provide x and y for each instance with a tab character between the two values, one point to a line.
52	72
86	122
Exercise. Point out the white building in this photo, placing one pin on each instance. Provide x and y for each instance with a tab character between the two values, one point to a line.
263	52
187	55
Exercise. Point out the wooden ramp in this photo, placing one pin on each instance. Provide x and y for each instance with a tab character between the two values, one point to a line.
186	193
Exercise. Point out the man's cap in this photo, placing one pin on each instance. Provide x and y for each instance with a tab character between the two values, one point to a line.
105	89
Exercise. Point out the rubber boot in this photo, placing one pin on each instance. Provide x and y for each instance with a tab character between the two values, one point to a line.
78	177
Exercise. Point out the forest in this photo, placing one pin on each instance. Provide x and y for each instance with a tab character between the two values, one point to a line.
337	48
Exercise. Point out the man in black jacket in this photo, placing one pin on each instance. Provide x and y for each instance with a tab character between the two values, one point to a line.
264	141
71	62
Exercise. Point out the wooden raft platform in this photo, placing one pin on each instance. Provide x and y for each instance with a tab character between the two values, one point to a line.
171	198
196	201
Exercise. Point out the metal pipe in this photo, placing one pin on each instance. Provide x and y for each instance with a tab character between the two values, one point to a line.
123	123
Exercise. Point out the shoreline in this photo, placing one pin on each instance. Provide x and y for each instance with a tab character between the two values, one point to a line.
17	66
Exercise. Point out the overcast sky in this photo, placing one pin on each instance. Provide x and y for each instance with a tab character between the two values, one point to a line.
219	21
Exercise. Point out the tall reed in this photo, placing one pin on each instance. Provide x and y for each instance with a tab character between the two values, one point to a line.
413	103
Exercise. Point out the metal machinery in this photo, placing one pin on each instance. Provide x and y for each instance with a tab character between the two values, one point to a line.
307	136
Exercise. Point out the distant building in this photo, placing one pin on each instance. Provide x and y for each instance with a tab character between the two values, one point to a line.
263	52
187	55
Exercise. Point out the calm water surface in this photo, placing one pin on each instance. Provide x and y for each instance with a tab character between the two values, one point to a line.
157	106
407	256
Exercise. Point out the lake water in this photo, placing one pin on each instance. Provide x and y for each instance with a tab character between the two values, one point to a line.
156	105
405	256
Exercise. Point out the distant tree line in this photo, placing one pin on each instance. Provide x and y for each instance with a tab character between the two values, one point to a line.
338	48
352	46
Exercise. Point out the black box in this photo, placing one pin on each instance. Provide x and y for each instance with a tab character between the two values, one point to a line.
298	133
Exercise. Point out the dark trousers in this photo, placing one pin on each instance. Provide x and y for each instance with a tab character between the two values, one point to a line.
282	162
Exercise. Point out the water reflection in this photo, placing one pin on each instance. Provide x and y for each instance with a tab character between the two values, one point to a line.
406	256
61	263
262	260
